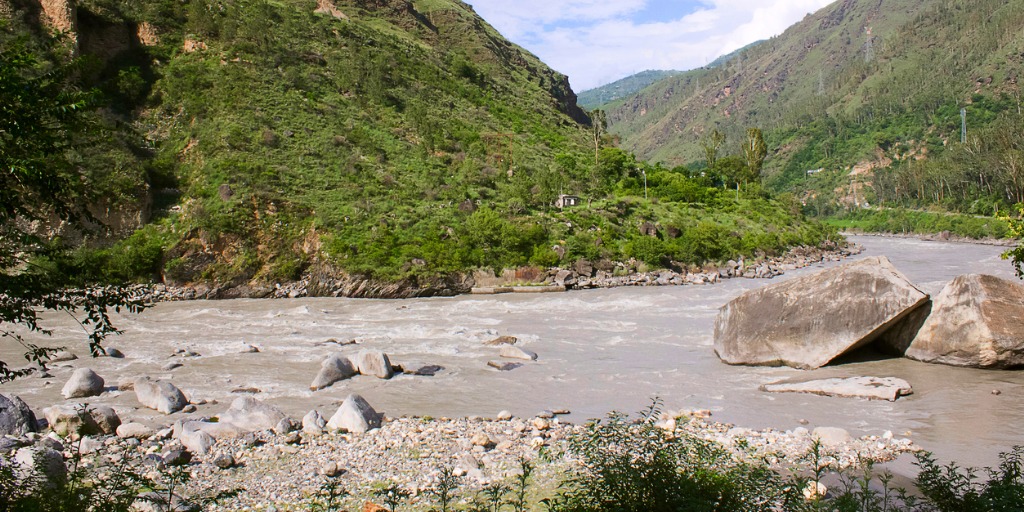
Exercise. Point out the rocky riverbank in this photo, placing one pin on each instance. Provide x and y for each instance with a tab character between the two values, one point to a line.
582	275
285	468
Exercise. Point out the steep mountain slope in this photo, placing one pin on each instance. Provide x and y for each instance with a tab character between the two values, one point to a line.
858	81
387	144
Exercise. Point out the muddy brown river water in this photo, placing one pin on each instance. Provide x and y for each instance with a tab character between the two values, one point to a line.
599	350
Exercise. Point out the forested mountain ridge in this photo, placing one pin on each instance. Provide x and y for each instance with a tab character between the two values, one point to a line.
396	140
857	86
619	89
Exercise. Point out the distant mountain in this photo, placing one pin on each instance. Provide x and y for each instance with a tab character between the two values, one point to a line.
858	82
597	97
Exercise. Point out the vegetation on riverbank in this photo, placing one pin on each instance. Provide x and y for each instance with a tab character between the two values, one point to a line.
899	221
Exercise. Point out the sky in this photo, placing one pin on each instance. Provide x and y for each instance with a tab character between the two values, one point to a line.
596	42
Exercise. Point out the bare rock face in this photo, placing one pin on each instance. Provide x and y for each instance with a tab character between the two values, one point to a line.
809	321
975	322
872	388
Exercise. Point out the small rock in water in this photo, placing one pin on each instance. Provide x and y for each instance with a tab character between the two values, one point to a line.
996	392
504	416
171	366
250	349
247	390
503	366
511	352
113	352
63	356
502	340
188	409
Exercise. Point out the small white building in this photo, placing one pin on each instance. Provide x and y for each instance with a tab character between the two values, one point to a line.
567	201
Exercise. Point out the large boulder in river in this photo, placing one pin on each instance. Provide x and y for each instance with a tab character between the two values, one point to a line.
975	322
83	382
809	321
158	395
334	368
16	417
375	363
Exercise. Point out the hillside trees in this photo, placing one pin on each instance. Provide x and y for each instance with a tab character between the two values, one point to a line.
40	117
983	176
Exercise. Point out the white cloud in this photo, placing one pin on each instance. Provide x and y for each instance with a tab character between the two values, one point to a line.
598	41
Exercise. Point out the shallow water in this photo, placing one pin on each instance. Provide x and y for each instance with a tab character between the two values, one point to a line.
600	350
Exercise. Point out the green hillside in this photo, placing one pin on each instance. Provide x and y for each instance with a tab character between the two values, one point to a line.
619	89
250	141
858	86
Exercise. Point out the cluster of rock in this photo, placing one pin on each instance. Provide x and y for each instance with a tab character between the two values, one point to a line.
810	321
509	350
583	274
338	367
253	446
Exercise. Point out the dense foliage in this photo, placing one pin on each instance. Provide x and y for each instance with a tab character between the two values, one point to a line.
386	138
40	122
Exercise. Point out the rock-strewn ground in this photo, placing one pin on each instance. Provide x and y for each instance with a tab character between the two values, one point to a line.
287	471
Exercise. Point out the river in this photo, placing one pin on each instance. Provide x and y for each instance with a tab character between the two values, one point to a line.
600	350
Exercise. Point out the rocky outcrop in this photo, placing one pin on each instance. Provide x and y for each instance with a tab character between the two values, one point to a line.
976	322
809	321
16	417
872	388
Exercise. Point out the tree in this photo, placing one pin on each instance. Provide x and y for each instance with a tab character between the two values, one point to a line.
1016	255
755	151
41	112
599	126
711	144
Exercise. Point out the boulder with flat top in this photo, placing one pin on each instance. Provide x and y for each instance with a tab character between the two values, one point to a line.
975	322
809	321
